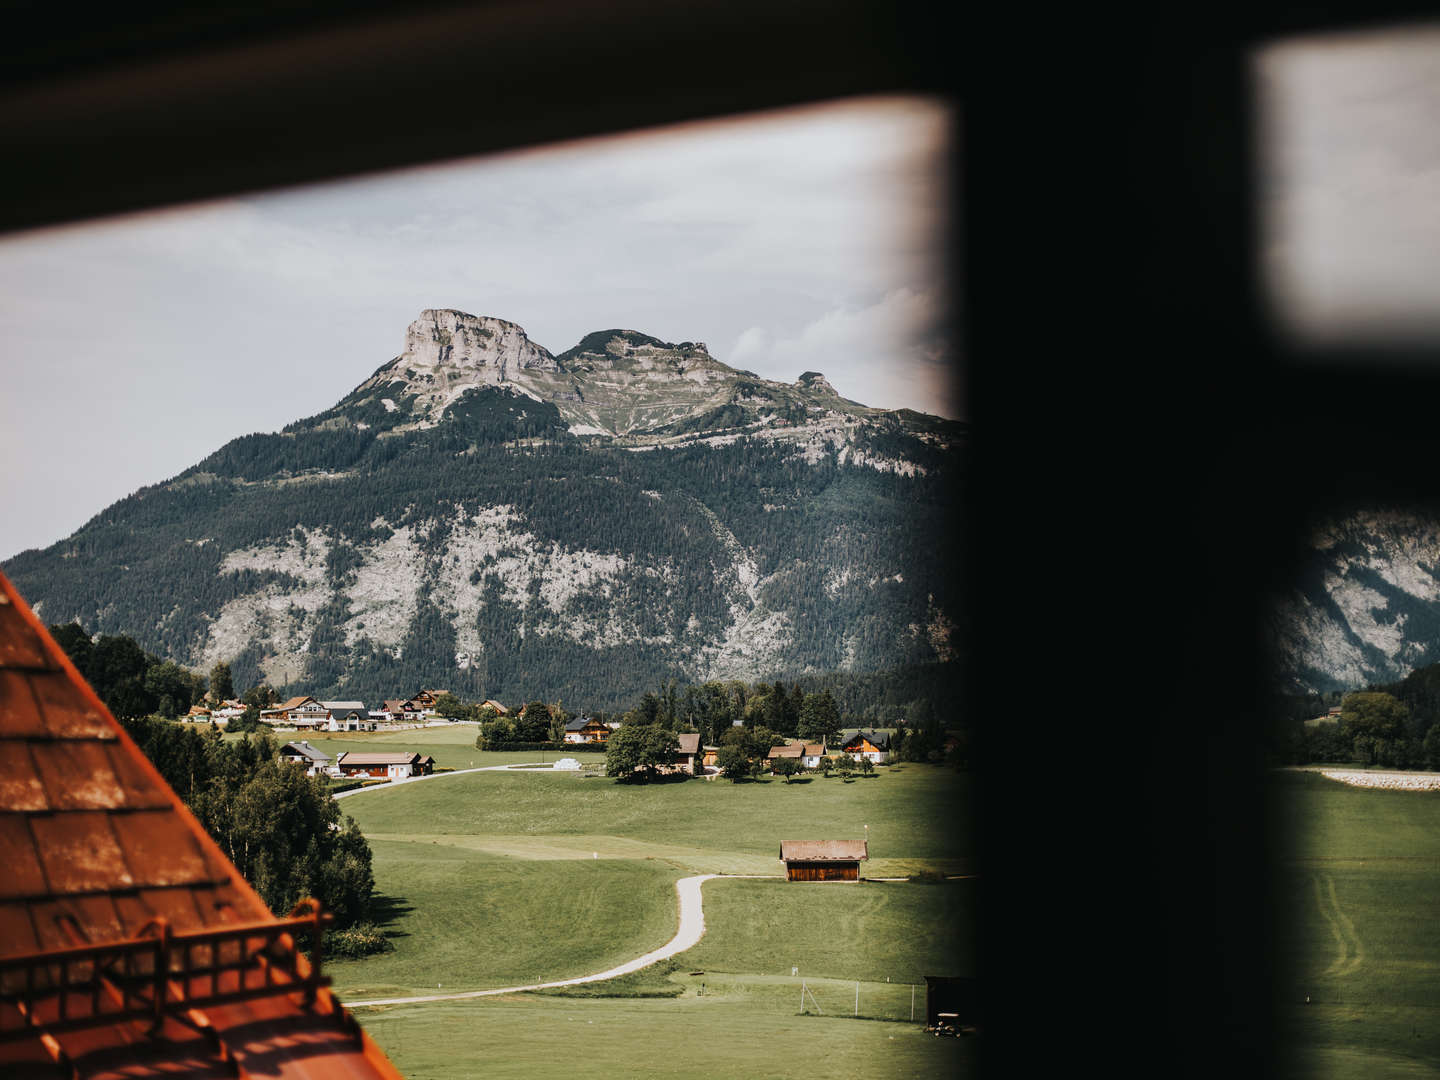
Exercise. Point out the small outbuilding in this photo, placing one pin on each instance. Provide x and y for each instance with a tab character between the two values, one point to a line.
823	860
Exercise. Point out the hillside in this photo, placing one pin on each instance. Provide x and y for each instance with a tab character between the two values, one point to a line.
484	515
1365	607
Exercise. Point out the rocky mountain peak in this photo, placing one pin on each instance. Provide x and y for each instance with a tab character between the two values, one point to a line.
445	339
814	381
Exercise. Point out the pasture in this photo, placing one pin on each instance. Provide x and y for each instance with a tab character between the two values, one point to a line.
1359	885
492	879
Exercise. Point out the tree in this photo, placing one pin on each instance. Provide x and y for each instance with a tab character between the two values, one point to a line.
733	762
639	751
171	686
787	767
534	723
448	705
222	688
262	697
75	641
1378	715
864	765
819	719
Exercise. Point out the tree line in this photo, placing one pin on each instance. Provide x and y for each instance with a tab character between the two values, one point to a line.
280	828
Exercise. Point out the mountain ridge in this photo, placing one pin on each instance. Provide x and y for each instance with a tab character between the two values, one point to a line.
482	513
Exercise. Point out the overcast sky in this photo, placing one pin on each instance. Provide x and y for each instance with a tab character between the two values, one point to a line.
808	239
1349	141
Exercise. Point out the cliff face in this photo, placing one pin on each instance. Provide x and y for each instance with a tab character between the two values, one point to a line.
478	515
1367	607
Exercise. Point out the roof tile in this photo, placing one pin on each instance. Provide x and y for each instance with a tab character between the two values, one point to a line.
19	644
68	712
15	927
78	776
141	792
20	787
19	711
160	850
22	875
79	853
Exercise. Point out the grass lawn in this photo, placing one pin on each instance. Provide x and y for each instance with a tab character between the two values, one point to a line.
455	919
725	1033
916	815
1361	885
897	930
494	881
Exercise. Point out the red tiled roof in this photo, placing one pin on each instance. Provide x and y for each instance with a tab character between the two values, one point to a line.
95	848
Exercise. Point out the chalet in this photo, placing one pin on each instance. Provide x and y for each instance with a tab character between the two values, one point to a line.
491	703
299	712
874	745
688	754
401	709
823	860
584	729
812	754
392	766
302	753
710	756
348	716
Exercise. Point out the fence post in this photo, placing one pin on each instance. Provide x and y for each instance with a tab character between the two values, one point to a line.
912	1003
857	997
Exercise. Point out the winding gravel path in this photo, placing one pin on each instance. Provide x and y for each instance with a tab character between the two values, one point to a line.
692	928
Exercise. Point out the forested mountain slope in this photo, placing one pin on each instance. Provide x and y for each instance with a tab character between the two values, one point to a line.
484	516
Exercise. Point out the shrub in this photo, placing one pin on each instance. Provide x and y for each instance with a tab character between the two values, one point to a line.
362	939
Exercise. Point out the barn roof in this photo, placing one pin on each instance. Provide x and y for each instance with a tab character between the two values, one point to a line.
823	850
100	853
689	744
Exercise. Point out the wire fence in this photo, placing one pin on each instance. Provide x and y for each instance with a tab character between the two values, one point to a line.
865	1000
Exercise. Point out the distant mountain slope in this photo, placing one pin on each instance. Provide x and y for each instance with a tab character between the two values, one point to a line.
483	515
1367	606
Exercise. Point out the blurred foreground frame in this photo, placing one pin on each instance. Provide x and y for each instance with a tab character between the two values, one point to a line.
1147	451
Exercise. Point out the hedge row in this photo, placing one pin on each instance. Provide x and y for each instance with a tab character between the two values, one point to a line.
568	747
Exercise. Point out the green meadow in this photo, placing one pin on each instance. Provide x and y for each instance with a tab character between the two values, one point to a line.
1360	886
502	879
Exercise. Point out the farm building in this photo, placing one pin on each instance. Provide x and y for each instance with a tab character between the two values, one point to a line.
689	754
302	753
392	766
823	860
109	876
874	745
584	729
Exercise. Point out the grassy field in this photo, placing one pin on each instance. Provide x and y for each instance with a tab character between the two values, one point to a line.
1361	880
491	879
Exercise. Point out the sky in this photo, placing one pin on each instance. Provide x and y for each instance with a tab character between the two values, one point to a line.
809	239
1349	140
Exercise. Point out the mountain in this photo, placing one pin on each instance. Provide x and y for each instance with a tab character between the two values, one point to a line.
484	515
1365	607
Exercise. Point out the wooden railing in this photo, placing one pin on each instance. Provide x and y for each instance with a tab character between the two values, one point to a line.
158	973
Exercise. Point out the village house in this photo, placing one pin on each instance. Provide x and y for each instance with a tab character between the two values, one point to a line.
298	712
823	860
688	756
315	762
391	766
399	710
491	703
348	716
874	745
584	729
808	754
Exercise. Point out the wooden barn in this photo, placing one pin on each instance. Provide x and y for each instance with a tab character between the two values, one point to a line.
823	860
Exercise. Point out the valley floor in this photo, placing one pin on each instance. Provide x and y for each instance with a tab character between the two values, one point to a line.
501	879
